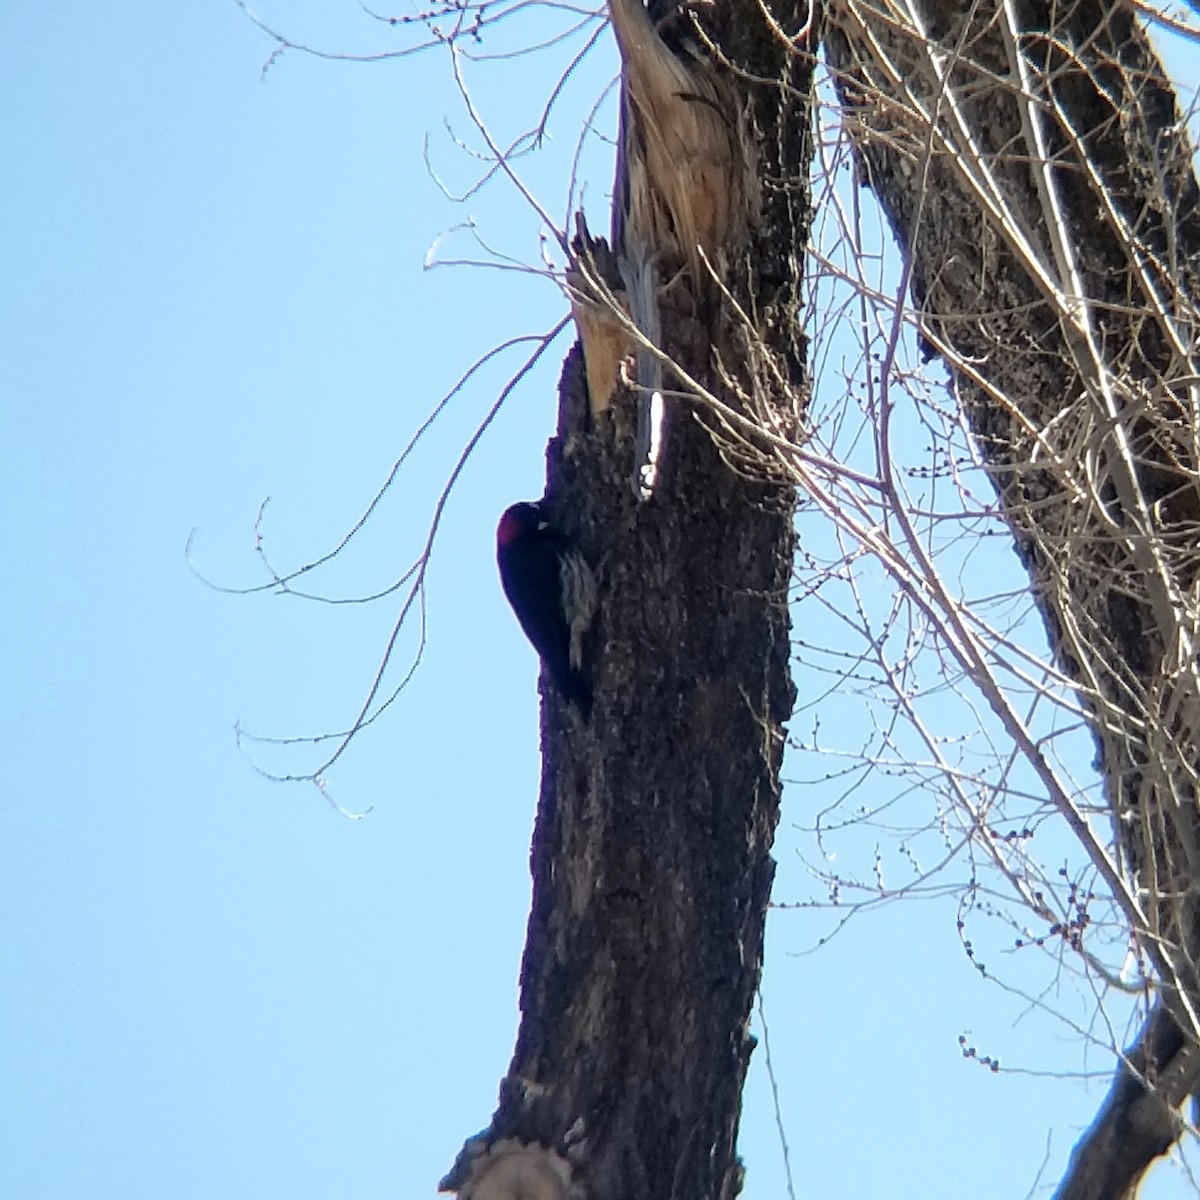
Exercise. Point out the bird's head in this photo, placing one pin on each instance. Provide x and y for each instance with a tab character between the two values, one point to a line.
519	519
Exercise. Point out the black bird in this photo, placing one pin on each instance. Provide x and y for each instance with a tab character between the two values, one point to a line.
553	592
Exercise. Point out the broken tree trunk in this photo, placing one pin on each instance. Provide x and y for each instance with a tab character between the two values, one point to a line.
651	854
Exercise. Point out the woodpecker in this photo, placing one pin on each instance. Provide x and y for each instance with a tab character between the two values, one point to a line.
553	592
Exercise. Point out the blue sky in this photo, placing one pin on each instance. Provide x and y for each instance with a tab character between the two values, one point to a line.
213	291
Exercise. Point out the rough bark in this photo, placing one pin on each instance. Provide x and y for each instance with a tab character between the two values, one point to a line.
1135	1124
651	854
1034	167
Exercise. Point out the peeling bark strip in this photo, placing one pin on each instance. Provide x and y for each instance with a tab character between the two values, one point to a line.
681	204
1031	159
651	853
681	176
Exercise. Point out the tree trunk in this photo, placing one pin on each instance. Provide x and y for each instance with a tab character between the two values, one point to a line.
1032	161
651	854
